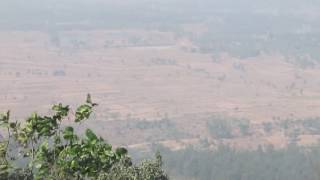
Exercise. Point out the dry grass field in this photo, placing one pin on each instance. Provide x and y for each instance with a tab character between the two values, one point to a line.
151	75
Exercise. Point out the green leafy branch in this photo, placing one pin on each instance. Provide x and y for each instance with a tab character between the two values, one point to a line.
53	151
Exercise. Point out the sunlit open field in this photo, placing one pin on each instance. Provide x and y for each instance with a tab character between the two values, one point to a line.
151	75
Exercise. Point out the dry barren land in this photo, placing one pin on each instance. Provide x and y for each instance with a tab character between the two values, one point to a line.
151	75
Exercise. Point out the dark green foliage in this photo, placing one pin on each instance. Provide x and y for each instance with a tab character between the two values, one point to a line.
223	128
225	163
295	127
250	40
41	148
148	124
220	128
312	125
150	169
161	129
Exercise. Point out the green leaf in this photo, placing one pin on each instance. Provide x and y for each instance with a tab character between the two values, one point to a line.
44	146
74	164
121	152
91	136
13	125
68	130
60	111
68	133
83	112
4	118
45	131
38	166
3	167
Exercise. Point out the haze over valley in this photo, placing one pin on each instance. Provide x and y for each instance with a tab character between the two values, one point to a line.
170	73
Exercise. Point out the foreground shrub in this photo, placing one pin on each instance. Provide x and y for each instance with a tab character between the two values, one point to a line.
42	148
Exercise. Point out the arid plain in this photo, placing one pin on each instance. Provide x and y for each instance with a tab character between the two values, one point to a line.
141	76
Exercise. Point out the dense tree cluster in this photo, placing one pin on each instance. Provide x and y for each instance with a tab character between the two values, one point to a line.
225	163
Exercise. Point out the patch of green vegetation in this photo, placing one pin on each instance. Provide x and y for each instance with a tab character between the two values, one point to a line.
223	127
226	163
42	148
